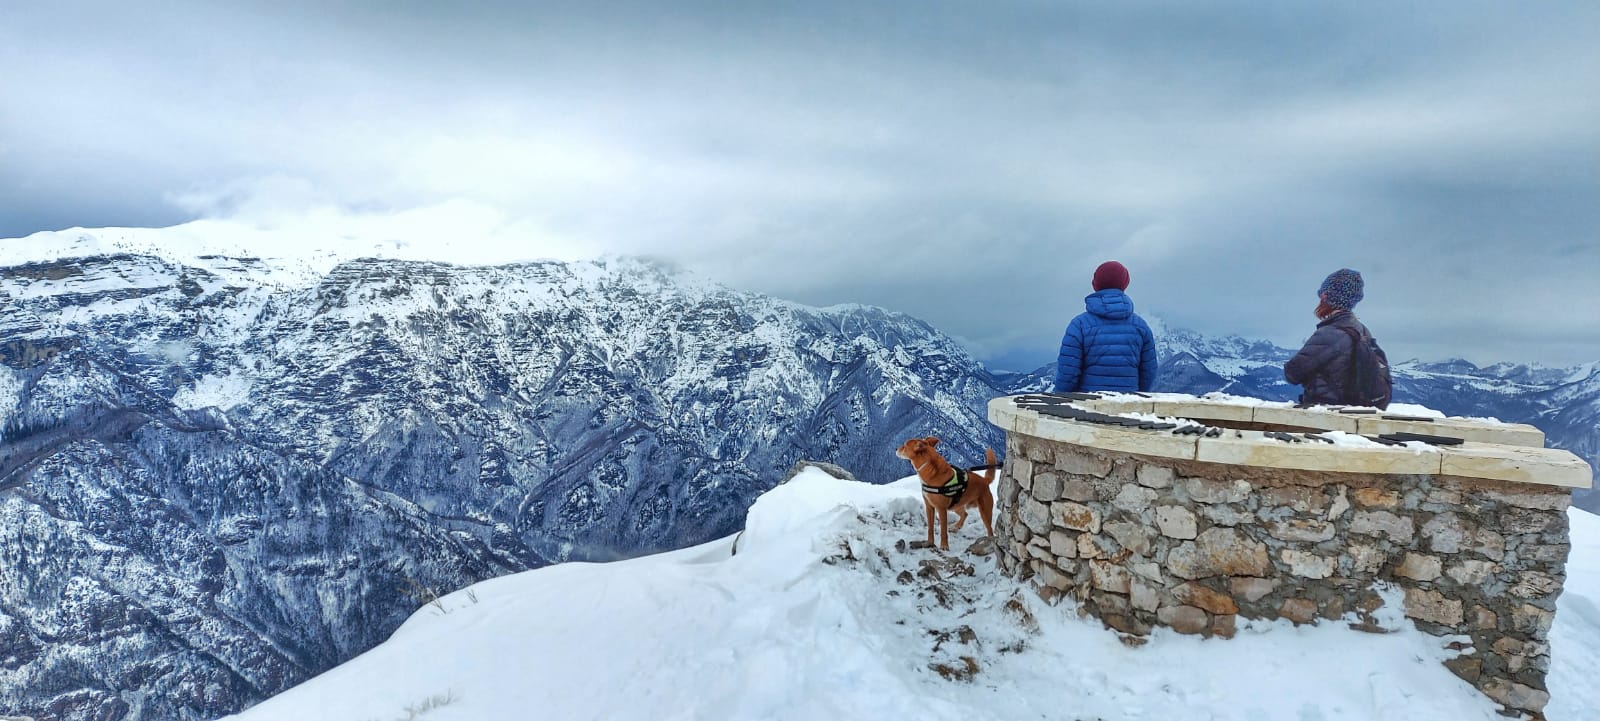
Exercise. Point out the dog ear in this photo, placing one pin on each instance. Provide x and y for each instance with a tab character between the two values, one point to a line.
930	440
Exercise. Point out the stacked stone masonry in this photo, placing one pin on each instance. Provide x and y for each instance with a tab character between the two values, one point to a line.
1142	541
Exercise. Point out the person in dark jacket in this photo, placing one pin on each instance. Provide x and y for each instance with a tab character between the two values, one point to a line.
1322	367
1108	347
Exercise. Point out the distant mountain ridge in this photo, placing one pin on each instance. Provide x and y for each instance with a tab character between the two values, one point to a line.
220	475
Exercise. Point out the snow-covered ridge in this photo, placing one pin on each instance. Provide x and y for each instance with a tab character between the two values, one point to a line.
311	245
824	612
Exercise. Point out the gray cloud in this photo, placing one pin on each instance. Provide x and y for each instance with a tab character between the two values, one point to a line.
969	164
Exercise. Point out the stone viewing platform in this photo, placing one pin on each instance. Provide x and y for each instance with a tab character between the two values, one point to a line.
1185	512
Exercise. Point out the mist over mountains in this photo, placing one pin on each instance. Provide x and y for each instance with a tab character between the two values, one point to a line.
221	475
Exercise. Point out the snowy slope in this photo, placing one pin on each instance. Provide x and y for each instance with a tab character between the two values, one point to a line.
820	616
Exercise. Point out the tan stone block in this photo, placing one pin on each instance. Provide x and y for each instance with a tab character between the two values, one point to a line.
1532	620
1300	499
1064	544
1252	448
1299	610
1373	523
1048	575
1301	529
1224	626
1219	552
1083	463
1516	695
1433	606
1208	491
1508	434
1514	521
1132	536
1448	533
1519	654
1134	499
1472	571
1535	584
1444	496
1148	570
1544	553
1226	515
1046	487
1305	418
1033	514
1194	594
1109	577
1340	504
1143	597
1252	589
1483	619
1111	439
1077	490
1469	668
1200	409
1118	404
1381	498
1078	517
1365	560
1184	619
1547	499
1087	548
1489	544
1419	566
1176	522
1307	565
1155	476
1537	466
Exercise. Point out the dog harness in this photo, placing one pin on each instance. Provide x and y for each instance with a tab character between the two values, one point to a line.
952	488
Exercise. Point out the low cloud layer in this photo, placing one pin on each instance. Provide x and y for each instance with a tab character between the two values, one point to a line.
969	164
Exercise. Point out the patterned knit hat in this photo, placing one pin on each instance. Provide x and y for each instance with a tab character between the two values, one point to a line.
1342	289
1110	274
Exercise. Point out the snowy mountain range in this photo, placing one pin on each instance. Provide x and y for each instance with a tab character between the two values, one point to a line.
221	475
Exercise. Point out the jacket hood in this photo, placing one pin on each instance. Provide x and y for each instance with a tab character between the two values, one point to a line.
1111	304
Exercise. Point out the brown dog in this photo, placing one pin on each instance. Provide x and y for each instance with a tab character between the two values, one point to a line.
940	497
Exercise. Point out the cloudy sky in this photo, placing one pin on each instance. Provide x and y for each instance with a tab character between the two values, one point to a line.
966	162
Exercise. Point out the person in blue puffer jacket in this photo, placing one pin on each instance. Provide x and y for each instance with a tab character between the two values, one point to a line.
1109	347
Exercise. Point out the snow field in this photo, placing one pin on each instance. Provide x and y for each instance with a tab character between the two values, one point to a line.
823	610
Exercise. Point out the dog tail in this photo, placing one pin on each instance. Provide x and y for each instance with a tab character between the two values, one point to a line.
988	473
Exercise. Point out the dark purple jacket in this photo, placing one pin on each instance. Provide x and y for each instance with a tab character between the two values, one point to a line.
1322	366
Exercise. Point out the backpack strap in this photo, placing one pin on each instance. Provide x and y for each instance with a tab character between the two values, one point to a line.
1351	392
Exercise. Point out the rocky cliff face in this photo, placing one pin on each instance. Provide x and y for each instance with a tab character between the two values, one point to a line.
219	480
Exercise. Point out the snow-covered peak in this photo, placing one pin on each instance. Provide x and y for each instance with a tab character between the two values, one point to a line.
305	248
819	611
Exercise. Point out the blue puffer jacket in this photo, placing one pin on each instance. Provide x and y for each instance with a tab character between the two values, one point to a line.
1109	348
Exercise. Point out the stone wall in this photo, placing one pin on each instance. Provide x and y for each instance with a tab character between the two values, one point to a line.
1141	541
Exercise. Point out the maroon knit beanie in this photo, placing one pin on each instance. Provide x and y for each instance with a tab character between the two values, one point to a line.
1110	274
